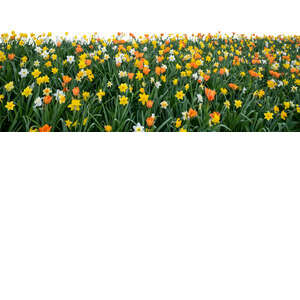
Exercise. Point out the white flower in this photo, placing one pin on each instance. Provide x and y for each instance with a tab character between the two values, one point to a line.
171	58
138	128
103	49
185	115
70	59
195	76
38	102
109	84
58	94
157	84
164	104
23	73
244	90
122	74
164	66
145	49
106	57
36	63
200	98
132	51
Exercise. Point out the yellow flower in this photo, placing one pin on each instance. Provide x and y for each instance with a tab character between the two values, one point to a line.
276	109
100	94
182	129
123	100
107	128
31	129
143	98
243	74
10	105
224	91
271	84
36	73
178	123
54	70
139	75
179	95
175	81
268	116
238	103
123	87
286	104
84	121
27	92
1	98
85	95
283	115
9	86
227	103
75	105
68	123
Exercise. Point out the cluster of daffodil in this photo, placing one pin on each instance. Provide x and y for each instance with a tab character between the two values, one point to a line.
166	82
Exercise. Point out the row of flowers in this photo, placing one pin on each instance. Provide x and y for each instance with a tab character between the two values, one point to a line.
149	83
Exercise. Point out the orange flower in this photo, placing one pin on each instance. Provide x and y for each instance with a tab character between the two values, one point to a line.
222	71
150	121
221	58
253	73
58	44
146	70
88	62
192	113
210	94
275	74
206	77
47	99
157	70
130	75
75	91
78	49
45	128
233	86
11	56
66	79
149	103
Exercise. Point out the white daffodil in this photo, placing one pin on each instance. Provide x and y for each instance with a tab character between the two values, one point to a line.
23	73
138	128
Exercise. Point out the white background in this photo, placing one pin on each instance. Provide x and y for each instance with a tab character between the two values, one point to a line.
160	216
267	16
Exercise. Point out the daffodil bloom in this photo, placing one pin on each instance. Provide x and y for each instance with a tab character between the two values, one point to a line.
27	92
10	105
75	105
238	103
9	86
123	100
179	95
268	116
100	95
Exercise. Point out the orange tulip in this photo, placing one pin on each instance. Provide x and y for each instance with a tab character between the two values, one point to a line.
66	79
45	128
150	121
192	113
233	86
76	91
146	70
149	104
11	56
206	77
130	75
47	99
210	94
